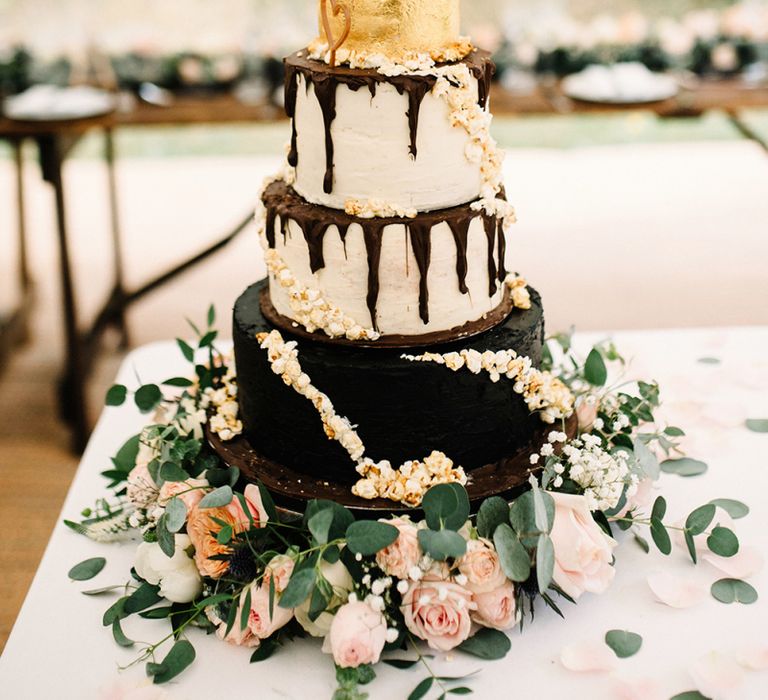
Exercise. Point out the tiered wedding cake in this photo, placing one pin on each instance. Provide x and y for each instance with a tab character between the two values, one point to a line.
389	349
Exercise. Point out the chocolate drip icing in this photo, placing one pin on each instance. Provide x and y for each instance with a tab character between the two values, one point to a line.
373	235
421	243
502	250
491	226
284	228
326	79
460	229
314	221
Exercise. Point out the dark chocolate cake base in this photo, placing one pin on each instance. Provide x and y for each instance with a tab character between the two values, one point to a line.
402	410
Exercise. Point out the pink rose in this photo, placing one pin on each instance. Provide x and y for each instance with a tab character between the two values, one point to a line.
586	413
481	566
358	634
260	622
255	506
497	608
280	568
237	637
404	553
439	613
639	500
191	492
583	552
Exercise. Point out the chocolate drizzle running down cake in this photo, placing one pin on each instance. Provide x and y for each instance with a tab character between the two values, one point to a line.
388	328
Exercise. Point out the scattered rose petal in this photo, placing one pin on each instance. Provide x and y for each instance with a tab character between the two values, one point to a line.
638	689
753	658
676	591
124	690
746	563
587	657
716	675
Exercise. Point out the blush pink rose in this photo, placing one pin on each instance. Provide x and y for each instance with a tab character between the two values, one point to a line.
583	552
439	613
639	500
481	566
497	608
260	622
142	489
237	637
280	568
586	413
404	553
255	506
358	634
191	492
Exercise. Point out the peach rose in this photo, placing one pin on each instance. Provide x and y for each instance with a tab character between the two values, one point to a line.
586	413
583	552
191	492
202	530
281	568
497	608
439	613
237	637
260	622
481	566
255	506
404	553
358	634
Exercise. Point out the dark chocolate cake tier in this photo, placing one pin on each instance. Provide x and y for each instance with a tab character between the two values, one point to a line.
403	410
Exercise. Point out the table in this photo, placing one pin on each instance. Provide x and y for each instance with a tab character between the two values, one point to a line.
59	633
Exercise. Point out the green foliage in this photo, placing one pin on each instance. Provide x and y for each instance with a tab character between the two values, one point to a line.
349	679
698	521
545	562
684	466
145	596
266	649
125	459
660	536
367	537
513	556
219	498
623	643
493	512
731	590
723	542
757	425
186	350
442	544
116	395
299	587
165	538
88	569
148	397
422	688
595	371
181	655
175	514
446	506
119	635
488	644
736	509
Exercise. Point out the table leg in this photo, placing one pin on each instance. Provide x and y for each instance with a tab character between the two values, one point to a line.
118	293
72	384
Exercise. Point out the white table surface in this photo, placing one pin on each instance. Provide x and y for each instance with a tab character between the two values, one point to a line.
58	648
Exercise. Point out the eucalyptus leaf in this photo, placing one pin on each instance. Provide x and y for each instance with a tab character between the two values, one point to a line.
116	395
623	643
731	590
266	649
488	644
545	562
180	382
175	514
86	570
757	425
125	459
142	598
165	538
660	536
181	655
723	542
709	360
642	543
659	509
736	509
219	498
401	664
684	466
493	512
595	371
514	558
442	545
172	472
421	689
698	521
299	587
367	537
114	611
320	524
446	506
119	635
211	315
147	397
690	695
646	459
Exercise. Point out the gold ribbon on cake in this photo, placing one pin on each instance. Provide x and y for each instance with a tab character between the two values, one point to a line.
395	28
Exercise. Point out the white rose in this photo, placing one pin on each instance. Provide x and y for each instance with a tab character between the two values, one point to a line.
177	576
341	581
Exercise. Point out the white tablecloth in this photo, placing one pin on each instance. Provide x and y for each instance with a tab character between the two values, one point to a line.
58	648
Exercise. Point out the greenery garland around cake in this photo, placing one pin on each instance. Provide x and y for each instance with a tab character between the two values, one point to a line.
218	556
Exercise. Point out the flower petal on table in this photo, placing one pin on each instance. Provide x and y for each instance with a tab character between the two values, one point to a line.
588	657
638	689
676	591
753	658
746	563
716	675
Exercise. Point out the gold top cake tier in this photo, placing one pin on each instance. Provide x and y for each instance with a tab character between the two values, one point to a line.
397	28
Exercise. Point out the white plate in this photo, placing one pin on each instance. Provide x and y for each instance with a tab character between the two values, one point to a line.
620	84
44	103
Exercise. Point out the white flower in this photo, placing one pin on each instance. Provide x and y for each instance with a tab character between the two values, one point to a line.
177	576
534	458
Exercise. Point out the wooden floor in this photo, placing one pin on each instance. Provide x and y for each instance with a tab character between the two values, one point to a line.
682	223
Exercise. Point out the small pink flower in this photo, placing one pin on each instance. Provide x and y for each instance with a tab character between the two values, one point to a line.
640	500
260	622
497	608
481	566
358	634
191	492
142	489
586	413
439	613
237	637
583	552
404	553
280	568
255	506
